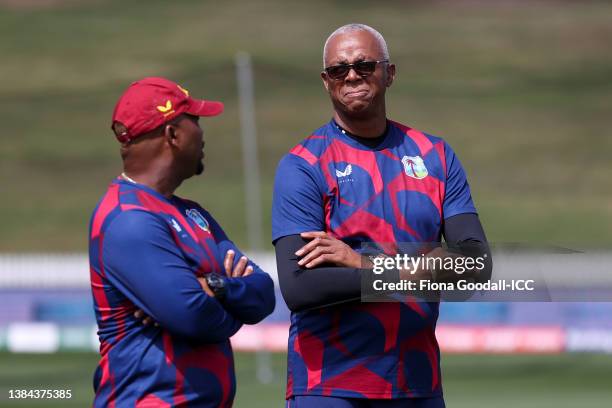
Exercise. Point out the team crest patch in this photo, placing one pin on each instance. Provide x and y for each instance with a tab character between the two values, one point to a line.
414	167
198	219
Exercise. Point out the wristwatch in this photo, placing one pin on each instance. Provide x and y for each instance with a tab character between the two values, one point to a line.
216	283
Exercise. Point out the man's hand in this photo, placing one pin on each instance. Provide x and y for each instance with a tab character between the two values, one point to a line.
205	287
146	320
323	248
240	270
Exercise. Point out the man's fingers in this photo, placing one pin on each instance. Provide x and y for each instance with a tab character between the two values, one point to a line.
319	260
318	241
313	234
146	320
205	287
316	237
240	266
309	256
249	270
228	262
312	255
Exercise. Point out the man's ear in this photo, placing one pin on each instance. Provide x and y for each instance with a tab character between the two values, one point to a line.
170	133
390	74
324	78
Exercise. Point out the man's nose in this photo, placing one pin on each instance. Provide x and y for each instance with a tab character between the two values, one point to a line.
352	75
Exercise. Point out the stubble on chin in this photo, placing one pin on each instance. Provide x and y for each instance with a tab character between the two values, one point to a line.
200	169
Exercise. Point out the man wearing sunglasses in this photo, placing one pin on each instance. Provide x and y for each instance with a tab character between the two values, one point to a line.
359	179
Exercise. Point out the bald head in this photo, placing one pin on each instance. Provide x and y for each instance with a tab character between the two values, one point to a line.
352	28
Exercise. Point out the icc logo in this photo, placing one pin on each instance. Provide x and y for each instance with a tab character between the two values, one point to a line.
414	167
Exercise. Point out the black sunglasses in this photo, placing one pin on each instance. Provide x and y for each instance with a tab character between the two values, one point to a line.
362	68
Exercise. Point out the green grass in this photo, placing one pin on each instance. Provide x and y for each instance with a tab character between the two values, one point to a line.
503	381
521	91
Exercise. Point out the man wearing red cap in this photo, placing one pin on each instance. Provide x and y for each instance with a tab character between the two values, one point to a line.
152	251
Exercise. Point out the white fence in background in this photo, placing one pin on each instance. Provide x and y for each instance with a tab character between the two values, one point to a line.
56	271
589	269
72	270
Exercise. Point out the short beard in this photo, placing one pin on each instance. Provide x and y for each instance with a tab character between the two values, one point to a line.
199	169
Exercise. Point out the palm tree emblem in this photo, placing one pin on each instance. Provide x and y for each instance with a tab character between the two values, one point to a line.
414	167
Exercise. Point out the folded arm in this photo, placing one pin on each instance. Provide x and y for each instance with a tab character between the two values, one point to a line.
249	298
143	262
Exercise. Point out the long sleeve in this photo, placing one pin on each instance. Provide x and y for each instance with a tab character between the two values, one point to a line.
144	263
304	288
250	299
464	234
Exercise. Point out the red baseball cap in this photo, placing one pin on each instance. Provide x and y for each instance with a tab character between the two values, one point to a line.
153	101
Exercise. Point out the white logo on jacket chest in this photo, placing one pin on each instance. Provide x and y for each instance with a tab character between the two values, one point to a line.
414	167
343	175
176	225
346	172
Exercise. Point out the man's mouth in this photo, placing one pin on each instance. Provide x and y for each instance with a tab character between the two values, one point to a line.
356	93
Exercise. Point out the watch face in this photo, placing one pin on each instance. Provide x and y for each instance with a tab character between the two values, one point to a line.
216	281
216	284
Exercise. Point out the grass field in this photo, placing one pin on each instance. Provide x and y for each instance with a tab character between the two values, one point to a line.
521	90
474	381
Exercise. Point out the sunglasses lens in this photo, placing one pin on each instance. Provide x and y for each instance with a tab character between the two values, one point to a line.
365	67
362	68
337	71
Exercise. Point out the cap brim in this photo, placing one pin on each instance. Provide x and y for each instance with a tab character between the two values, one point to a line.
200	107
